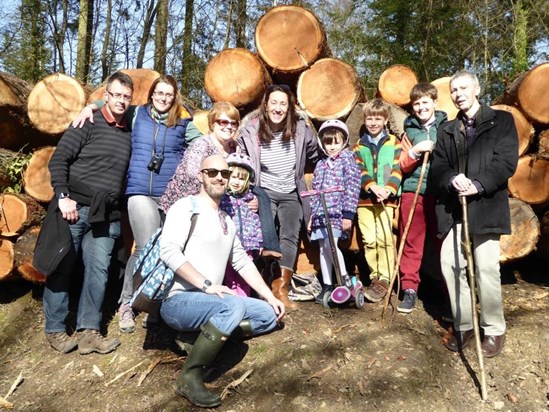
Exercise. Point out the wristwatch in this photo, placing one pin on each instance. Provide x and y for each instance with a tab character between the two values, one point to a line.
206	285
63	196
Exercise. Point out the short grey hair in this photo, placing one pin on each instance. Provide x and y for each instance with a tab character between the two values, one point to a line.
465	73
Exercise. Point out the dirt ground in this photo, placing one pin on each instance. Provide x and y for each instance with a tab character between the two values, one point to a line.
329	360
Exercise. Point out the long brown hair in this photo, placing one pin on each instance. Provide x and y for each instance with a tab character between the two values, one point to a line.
177	102
288	132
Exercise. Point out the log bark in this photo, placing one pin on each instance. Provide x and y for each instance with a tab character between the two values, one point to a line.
13	91
525	129
23	253
543	144
530	183
54	102
6	260
525	231
290	38
445	103
236	76
142	80
36	178
329	89
395	84
18	213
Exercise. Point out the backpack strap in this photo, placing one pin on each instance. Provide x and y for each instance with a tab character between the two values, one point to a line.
194	217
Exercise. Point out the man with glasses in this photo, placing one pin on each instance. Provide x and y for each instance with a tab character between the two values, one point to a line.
198	299
88	171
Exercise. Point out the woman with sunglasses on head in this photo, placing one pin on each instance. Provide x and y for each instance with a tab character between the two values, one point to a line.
160	136
280	143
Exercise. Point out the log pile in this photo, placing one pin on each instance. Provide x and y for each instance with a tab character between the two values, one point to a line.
292	48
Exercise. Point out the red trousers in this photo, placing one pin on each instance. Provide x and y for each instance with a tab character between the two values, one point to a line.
423	224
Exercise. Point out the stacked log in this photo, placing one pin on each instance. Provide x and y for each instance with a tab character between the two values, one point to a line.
289	39
329	89
236	76
445	102
36	178
395	84
525	130
18	212
142	81
54	102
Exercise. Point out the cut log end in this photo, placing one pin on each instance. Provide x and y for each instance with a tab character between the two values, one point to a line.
142	80
533	94
530	183
445	103
395	84
525	129
18	213
36	179
289	38
7	260
329	89
525	231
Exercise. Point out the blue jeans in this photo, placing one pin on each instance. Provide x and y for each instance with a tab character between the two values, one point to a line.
144	218
189	310
287	208
268	229
96	242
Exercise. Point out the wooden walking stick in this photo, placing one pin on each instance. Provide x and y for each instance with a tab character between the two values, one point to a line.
404	235
466	244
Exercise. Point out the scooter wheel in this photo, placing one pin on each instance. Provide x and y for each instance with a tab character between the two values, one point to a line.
359	299
327	300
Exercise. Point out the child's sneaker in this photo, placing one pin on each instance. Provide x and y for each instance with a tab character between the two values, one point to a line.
376	291
325	289
408	301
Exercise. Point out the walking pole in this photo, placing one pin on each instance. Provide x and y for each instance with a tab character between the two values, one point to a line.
405	235
471	275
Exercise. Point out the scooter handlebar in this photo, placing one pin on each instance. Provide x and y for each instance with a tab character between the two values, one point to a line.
321	191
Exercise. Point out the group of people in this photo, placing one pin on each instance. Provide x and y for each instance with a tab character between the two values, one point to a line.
244	188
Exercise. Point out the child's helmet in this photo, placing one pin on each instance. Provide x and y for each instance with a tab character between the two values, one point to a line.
335	124
242	160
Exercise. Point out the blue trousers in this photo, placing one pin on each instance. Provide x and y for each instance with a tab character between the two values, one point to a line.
189	310
96	242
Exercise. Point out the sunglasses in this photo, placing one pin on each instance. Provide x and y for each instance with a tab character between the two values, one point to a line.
225	123
212	172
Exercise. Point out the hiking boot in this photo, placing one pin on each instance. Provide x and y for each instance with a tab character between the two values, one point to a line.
126	321
90	340
408	301
150	321
61	342
376	291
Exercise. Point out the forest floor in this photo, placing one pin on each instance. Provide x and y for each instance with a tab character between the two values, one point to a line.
342	359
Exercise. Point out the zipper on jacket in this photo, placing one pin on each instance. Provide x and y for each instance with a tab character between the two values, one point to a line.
156	130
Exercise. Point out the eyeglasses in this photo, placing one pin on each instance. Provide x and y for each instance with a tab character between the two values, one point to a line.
118	96
162	95
224	123
212	172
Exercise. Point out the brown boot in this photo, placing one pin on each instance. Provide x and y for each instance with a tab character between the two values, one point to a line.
280	289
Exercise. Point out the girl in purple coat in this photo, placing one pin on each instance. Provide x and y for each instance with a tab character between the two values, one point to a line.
248	226
338	168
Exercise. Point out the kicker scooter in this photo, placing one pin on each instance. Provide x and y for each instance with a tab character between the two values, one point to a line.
346	287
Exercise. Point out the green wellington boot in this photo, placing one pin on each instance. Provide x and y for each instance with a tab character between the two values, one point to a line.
190	383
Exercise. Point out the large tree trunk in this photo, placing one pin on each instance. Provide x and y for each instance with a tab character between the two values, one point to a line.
187	47
329	89
161	36
290	38
240	23
530	92
149	19
445	102
7	260
54	102
23	253
18	213
530	183
395	84
105	55
85	26
524	232
236	76
142	81
36	178
524	127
